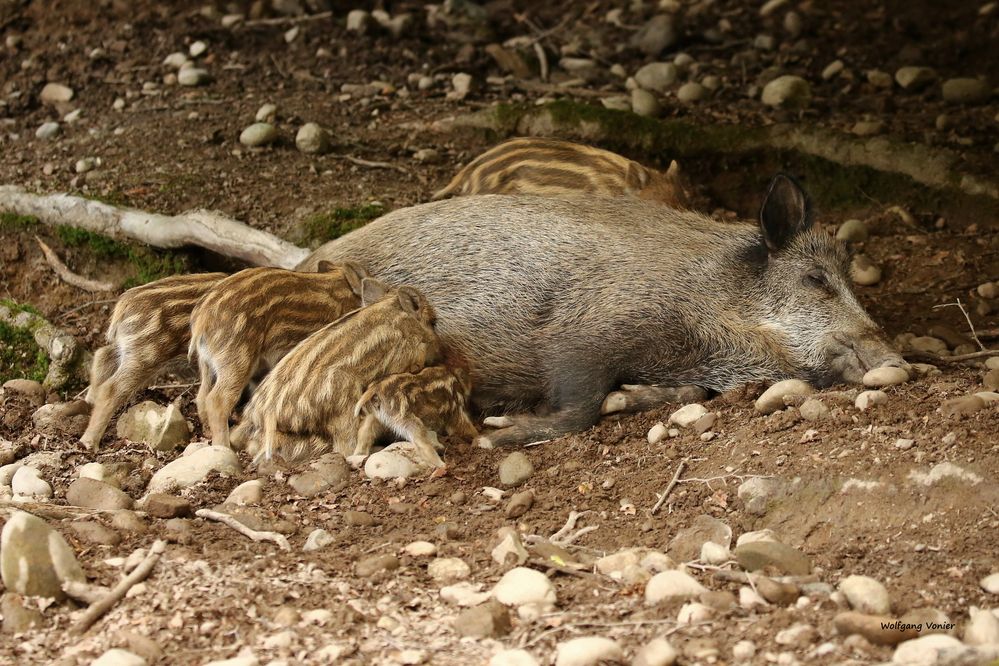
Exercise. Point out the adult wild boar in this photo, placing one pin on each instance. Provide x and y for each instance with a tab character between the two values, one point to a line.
557	302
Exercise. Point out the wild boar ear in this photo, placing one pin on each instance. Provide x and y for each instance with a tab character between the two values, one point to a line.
785	212
325	266
674	170
372	290
410	300
354	273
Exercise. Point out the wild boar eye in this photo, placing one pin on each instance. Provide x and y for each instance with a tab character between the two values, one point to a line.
819	280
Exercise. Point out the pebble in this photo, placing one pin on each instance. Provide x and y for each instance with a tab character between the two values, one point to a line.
427	156
588	651
191	469
750	598
266	113
68	418
925	650
91	493
867	127
515	469
448	569
657	652
358	21
885	376
798	635
258	134
813	410
193	76
990	583
982	628
55	93
161	505
671	585
913	79
832	70
744	650
519	504
687	415
420	549
645	103
26	482
317	540
872	628
962	405
161	428
694	613
47	131
461	83
714	553
776	592
942	471
358	519
765	534
35	559
89	531
687	543
966	91
790	92
879	79
521	586
396	461
852	231
513	658
869	399
928	344
250	492
17	617
656	76
28	388
760	554
864	271
464	594
657	433
197	48
118	657
773	398
793	23
369	566
658	34
866	595
711	82
312	139
691	92
616	103
989	290
490	620
176	60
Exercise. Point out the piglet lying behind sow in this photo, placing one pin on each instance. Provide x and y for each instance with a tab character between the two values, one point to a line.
556	302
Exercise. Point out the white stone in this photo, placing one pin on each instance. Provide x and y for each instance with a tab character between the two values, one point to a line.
656	76
249	492
982	628
687	415
714	553
866	595
258	134
317	539
657	433
420	549
773	398
657	652
465	594
266	113
520	586
744	651
885	376
868	399
175	60
447	569
925	650
787	91
7	472
312	139
944	470
197	48
189	470
247	659
672	585
750	598
357	20
513	658
765	534
27	483
47	130
396	461
192	76
693	613
991	583
118	657
55	93
34	559
587	651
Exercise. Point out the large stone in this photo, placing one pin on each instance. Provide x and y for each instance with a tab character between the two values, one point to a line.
588	651
161	428
17	616
521	586
328	473
93	494
515	469
687	543
773	398
670	585
55	93
258	134
312	139
162	505
657	652
399	460
29	388
866	595
490	620
760	554
790	92
35	559
193	468
926	650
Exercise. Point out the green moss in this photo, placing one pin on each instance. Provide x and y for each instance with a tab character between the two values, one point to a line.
326	226
14	306
20	355
102	246
151	265
14	222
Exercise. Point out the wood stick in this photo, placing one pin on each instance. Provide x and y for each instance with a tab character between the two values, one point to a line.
288	20
671	486
370	164
88	593
117	593
68	276
933	358
226	519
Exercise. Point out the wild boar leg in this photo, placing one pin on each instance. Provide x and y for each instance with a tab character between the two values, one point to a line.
461	426
207	380
111	394
104	364
222	399
371	428
641	397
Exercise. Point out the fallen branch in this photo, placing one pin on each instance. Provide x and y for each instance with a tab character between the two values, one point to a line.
957	358
370	164
117	593
201	228
226	519
971	326
54	511
87	593
68	276
288	20
66	360
565	536
671	486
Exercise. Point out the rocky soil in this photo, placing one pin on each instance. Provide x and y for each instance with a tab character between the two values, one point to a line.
798	526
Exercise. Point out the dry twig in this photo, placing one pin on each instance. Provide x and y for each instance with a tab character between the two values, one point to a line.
68	276
117	593
671	486
288	20
88	593
958	358
966	318
565	536
226	519
370	164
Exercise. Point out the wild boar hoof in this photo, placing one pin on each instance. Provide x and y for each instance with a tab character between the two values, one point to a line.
614	402
483	442
497	422
357	461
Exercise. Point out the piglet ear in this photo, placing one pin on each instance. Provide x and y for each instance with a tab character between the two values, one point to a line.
674	170
410	300
354	273
372	290
785	212
325	266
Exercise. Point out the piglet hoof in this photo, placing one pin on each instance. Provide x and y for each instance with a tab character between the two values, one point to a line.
614	402
483	442
497	422
439	472
356	461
